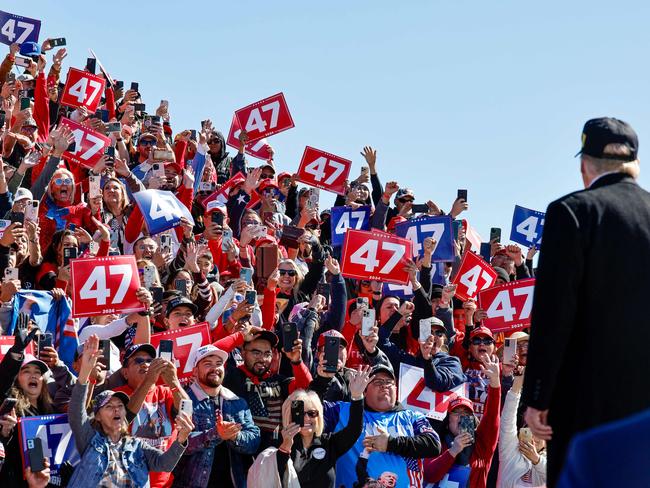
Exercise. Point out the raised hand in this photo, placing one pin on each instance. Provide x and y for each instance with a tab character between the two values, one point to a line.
358	381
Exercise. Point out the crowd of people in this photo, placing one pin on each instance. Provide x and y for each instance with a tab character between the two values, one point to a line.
255	411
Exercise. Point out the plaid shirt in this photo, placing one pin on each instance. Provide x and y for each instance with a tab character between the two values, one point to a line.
116	475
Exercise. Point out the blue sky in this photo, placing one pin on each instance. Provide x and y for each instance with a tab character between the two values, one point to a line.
488	96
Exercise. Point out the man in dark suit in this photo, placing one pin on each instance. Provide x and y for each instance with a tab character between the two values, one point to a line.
589	351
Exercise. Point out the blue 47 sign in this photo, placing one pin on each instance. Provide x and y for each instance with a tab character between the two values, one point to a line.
527	226
344	218
456	477
56	439
18	29
439	228
161	210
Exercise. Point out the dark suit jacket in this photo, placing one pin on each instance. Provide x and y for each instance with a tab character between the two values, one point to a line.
615	454
589	351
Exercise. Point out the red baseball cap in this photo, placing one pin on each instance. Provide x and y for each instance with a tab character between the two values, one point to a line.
483	331
459	401
267	183
331	333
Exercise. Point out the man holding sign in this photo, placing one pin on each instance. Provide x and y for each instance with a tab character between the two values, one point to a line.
576	280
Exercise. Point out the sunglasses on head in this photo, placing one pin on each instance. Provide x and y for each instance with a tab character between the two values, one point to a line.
290	272
147	142
63	181
486	341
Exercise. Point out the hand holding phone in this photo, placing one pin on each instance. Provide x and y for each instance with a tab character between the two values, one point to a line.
298	412
166	350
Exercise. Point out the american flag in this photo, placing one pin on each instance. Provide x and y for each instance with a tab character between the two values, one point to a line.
414	470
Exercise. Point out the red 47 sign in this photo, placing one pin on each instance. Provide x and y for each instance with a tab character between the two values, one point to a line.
324	170
473	276
265	118
508	306
89	145
7	341
258	149
186	341
83	89
105	285
377	256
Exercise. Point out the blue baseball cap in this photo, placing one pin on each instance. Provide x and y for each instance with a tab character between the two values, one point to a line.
30	49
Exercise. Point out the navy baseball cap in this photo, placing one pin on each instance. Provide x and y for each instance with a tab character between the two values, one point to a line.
30	49
598	133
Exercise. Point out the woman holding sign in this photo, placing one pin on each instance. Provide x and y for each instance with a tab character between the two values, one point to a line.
109	456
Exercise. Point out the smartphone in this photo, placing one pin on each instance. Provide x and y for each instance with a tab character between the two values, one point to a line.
206	186
102	115
59	41
509	351
193	134
323	288
260	231
420	208
2	118
114	127
135	86
362	302
331	353
289	335
91	65
11	274
367	321
44	340
109	152
165	243
157	293
365	170
163	155
486	251
7	405
139	107
22	62
156	119
181	285
186	407
68	254
525	434
462	195
466	424
35	454
312	201
226	240
217	217
251	297
425	329
166	350
31	211
148	276
495	233
164	103
158	170
298	412
246	274
17	217
105	346
25	103
94	186
119	85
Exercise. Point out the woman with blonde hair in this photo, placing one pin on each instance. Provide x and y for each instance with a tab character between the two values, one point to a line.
312	453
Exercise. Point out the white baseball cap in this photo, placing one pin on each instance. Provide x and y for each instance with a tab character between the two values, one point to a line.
205	351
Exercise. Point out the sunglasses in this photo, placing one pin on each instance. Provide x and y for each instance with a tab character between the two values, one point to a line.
438	333
147	142
140	361
63	181
312	414
477	341
290	272
270	191
405	200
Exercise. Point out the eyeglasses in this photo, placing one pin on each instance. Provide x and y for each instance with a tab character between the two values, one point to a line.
63	181
477	341
140	361
257	353
382	383
313	414
146	142
290	272
28	128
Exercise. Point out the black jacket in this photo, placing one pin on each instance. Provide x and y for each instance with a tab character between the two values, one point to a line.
586	349
321	456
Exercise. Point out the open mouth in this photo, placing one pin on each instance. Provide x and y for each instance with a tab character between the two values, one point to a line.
482	350
33	384
63	192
